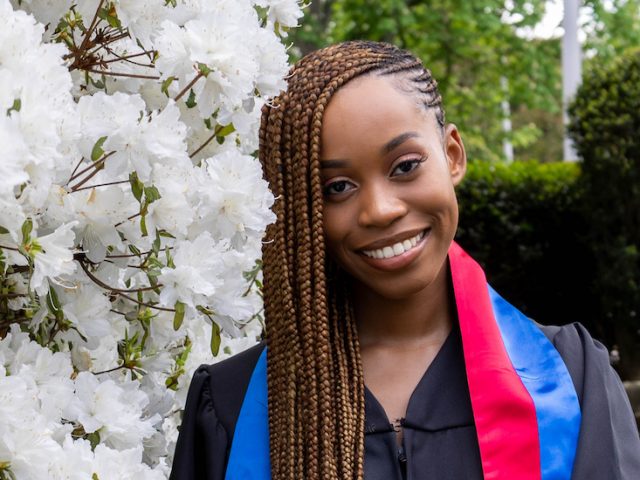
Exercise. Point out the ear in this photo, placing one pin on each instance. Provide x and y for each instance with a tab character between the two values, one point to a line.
456	155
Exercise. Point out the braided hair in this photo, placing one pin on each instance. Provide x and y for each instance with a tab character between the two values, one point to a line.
314	374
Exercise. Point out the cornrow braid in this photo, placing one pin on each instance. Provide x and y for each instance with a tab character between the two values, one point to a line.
314	371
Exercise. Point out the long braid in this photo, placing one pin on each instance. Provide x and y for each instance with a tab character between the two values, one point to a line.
314	372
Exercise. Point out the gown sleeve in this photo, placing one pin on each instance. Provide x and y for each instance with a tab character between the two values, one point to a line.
202	447
608	445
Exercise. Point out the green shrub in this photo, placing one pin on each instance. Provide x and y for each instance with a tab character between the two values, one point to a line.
523	223
605	126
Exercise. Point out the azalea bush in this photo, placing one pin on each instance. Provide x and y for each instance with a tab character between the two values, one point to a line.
132	211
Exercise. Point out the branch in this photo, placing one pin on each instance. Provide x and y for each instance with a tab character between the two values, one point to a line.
98	185
121	293
130	217
126	58
87	36
189	85
95	165
110	370
129	255
75	169
114	289
217	130
147	304
120	74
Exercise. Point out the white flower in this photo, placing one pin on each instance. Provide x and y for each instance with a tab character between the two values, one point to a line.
51	376
25	439
98	212
197	272
137	139
219	43
88	309
75	461
69	149
127	464
112	409
284	12
241	202
143	17
54	258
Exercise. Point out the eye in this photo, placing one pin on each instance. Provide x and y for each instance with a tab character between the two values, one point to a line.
336	188
407	166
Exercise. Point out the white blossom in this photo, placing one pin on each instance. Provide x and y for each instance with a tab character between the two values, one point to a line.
128	189
54	257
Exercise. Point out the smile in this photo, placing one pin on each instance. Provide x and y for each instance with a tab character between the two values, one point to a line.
396	249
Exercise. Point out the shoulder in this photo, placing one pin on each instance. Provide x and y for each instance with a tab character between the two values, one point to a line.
226	382
582	354
608	446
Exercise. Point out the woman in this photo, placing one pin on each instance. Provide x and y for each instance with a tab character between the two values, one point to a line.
364	286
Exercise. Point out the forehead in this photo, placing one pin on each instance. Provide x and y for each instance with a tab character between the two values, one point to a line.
367	112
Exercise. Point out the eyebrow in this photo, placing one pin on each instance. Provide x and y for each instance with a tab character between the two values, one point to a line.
386	148
397	141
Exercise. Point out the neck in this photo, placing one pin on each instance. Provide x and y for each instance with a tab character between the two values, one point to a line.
426	316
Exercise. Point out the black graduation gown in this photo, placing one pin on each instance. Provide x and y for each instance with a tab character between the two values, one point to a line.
439	433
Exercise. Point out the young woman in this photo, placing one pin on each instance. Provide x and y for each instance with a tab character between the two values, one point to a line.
387	356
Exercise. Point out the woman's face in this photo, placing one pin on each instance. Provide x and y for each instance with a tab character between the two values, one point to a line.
388	176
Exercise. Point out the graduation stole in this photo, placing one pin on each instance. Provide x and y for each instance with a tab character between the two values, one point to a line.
525	407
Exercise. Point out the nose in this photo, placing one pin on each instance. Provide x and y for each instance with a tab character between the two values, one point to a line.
380	207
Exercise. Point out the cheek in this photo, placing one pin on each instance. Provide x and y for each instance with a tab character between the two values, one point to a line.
335	228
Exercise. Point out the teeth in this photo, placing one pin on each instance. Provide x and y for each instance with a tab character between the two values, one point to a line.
395	249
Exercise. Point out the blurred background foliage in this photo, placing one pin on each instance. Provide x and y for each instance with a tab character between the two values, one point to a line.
559	240
483	53
605	125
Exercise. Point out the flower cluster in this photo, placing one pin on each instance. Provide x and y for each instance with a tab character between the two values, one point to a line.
132	211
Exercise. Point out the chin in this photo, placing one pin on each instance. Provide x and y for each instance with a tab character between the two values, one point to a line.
397	290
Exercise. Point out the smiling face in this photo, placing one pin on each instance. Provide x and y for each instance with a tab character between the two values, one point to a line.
388	174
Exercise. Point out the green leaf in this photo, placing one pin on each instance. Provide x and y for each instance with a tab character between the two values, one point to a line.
94	476
17	104
137	187
94	440
178	318
155	246
191	101
166	84
143	225
167	253
111	16
97	83
97	151
204	69
216	339
226	130
151	194
164	233
3	230
53	304
27	228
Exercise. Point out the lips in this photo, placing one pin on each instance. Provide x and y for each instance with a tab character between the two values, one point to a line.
395	249
387	258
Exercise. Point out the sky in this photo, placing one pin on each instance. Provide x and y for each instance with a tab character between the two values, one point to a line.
550	25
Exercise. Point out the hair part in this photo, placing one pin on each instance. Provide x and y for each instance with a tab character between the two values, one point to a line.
314	371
